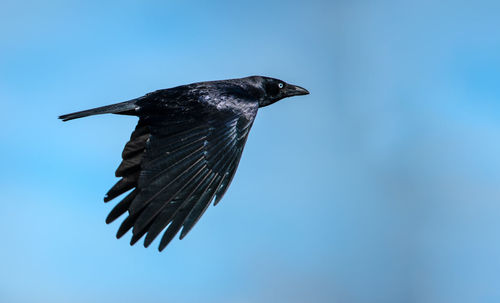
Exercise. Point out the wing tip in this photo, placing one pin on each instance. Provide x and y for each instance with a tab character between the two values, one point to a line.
217	199
161	247
184	233
135	239
147	242
109	219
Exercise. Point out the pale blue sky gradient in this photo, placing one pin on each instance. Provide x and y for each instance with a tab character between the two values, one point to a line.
381	186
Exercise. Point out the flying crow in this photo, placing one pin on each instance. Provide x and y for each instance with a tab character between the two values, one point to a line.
184	151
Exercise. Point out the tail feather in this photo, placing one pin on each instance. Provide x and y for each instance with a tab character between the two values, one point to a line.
127	107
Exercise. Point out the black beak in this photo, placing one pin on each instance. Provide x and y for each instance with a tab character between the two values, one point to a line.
294	90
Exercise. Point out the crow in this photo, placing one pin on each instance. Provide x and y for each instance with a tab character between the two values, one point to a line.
184	151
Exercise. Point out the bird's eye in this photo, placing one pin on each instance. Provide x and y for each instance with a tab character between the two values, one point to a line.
280	85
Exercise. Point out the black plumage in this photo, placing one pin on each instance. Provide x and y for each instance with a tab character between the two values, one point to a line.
184	151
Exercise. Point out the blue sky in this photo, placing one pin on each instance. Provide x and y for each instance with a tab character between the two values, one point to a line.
380	186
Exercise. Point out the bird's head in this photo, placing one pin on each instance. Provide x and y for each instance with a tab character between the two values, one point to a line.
275	90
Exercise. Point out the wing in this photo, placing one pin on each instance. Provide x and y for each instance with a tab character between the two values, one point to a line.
176	163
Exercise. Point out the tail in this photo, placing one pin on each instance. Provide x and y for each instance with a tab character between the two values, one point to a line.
124	108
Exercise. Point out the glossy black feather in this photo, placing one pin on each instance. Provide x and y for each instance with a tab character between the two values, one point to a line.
166	194
175	206
125	184
204	195
121	207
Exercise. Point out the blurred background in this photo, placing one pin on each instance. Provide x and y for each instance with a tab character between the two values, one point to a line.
382	185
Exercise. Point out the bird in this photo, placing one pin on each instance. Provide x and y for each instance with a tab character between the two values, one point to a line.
184	151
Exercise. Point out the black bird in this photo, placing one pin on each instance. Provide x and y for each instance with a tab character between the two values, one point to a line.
184	151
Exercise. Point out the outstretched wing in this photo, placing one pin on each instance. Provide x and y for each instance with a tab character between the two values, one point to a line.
176	163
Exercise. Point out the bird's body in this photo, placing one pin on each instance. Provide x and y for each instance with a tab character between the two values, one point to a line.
184	151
